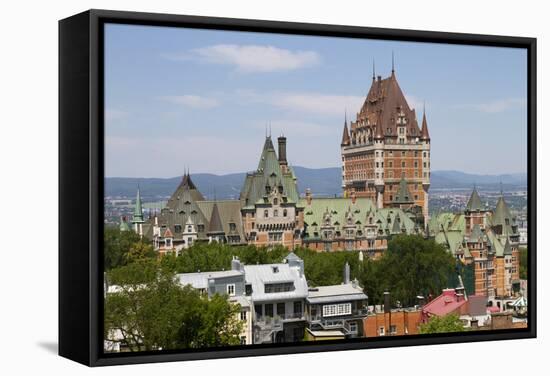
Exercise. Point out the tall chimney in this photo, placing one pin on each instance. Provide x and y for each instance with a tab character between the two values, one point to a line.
308	196
282	152
346	273
387	305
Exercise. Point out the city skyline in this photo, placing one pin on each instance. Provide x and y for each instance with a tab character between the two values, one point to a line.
174	95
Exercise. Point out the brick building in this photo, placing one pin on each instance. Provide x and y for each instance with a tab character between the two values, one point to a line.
487	240
385	148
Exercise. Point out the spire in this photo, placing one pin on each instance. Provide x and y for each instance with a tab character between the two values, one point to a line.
474	203
392	65
373	70
424	132
187	182
138	212
502	214
345	135
215	225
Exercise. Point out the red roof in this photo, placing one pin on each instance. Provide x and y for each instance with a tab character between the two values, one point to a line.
447	302
493	309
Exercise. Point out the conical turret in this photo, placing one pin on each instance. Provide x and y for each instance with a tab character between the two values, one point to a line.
138	211
425	135
345	135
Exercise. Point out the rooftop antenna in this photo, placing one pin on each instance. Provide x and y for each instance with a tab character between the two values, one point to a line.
501	193
270	128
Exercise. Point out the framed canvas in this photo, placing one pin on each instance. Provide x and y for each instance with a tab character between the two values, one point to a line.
235	187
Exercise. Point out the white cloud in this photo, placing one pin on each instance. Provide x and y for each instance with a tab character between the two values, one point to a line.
316	103
498	105
253	58
193	101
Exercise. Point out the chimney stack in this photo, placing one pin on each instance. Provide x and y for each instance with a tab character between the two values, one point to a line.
235	264
282	152
308	196
346	273
387	305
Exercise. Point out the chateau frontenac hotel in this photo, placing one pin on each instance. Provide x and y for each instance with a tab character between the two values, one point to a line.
385	181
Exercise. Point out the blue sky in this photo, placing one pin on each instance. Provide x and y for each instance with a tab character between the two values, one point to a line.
178	98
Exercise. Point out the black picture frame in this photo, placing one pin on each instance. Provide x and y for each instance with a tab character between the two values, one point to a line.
81	181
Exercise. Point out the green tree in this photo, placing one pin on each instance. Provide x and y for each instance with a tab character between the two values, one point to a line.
123	247
442	324
411	266
150	310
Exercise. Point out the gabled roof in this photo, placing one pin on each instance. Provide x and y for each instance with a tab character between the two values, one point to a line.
474	203
260	275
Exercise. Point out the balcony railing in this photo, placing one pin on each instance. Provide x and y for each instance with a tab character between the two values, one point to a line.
276	320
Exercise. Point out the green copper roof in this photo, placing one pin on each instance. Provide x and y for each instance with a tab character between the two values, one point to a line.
269	177
138	211
503	217
403	194
453	240
476	235
341	212
447	221
474	203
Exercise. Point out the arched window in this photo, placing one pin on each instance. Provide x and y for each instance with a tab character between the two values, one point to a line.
266	213
275	213
275	201
284	213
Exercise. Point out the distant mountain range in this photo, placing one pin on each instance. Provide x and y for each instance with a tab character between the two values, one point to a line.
322	181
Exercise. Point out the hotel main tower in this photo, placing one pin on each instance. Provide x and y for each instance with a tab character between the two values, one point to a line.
385	154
